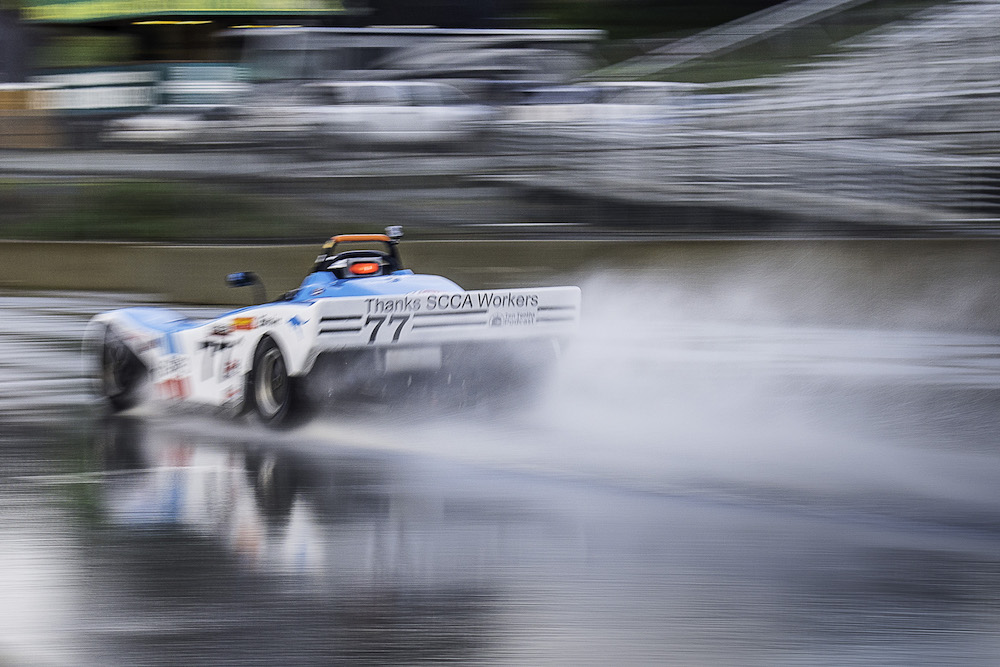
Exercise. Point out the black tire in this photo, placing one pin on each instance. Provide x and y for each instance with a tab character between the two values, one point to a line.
277	398
121	372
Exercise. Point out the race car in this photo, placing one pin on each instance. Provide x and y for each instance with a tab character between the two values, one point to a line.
359	322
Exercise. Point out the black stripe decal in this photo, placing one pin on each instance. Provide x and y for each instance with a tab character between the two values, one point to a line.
340	318
453	312
349	330
477	323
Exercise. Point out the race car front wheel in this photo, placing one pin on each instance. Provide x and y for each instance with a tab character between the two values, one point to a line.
276	396
121	372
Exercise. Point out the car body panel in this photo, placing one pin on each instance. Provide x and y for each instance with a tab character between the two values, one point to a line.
405	319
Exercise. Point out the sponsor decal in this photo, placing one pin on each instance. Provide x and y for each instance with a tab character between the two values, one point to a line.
212	363
173	365
173	377
217	345
512	319
251	323
268	321
231	368
449	301
174	388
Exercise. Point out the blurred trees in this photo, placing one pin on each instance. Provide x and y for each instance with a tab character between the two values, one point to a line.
621	18
643	18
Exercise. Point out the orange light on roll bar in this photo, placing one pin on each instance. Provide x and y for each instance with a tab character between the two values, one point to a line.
364	268
352	238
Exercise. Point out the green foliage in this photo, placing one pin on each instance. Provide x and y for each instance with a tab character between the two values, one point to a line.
628	19
147	211
70	51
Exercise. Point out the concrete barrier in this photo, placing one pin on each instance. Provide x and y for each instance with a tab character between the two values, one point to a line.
186	274
195	273
924	284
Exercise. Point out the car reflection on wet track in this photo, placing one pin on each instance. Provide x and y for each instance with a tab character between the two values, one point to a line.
322	560
798	496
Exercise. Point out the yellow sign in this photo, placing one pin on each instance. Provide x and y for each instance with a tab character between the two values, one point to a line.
97	10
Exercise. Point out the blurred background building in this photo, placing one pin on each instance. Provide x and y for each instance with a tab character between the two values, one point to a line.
836	114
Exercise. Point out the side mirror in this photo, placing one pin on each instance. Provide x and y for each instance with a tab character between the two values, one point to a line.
242	279
248	279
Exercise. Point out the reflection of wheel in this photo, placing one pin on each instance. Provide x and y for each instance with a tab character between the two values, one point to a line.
118	442
275	483
121	372
276	396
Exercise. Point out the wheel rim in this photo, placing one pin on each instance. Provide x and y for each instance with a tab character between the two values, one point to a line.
271	384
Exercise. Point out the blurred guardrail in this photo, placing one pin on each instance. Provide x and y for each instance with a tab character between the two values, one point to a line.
900	125
876	181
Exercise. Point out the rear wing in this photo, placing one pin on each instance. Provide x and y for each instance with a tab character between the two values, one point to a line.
428	318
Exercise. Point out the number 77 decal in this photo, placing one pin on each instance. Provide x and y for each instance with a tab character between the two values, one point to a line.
379	320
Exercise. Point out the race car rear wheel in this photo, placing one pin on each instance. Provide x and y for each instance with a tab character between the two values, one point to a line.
277	397
121	372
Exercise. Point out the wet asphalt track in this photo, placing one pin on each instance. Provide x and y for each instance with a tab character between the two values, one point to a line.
691	491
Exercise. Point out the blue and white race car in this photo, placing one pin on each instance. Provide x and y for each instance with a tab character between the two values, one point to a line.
358	319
